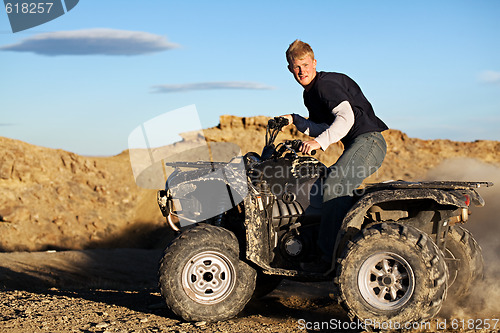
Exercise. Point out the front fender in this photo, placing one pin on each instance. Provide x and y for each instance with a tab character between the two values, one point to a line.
257	235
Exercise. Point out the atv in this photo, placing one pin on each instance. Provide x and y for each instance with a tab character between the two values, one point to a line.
400	252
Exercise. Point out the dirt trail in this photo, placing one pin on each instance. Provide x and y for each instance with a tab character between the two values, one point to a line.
115	291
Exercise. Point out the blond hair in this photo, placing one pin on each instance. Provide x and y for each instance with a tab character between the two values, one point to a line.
298	50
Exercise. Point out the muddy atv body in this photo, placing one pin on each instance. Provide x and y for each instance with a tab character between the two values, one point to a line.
400	252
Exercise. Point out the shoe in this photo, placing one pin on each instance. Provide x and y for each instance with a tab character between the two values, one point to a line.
319	265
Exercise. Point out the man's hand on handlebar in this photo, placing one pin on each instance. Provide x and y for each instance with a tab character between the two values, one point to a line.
308	146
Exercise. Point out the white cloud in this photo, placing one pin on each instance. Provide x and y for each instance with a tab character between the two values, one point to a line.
490	77
99	41
168	88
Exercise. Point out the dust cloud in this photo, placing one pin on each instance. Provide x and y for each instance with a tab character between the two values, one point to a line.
484	224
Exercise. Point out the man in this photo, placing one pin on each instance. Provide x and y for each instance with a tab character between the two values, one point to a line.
338	111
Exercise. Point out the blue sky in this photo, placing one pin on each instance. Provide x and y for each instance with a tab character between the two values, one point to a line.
85	80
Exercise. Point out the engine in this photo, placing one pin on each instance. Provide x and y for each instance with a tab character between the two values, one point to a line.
294	184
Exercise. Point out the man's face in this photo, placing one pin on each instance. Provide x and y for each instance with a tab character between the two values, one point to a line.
304	70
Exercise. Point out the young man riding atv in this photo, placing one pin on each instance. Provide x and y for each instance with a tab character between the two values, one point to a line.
246	223
338	111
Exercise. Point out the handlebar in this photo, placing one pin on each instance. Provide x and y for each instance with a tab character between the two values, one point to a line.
295	145
274	126
277	122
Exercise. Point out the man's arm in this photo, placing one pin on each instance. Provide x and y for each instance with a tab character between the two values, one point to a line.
307	126
344	120
325	135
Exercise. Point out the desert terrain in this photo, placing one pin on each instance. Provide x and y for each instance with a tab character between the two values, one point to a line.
80	241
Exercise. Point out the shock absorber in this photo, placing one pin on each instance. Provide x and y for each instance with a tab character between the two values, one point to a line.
221	206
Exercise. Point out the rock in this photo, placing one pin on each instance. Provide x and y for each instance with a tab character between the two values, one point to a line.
6	165
102	325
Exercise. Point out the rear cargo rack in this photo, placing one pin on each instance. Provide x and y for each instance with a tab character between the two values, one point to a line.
450	185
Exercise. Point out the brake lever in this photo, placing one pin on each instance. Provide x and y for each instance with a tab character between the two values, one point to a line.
291	150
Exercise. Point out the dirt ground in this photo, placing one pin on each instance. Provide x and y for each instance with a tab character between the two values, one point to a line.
114	290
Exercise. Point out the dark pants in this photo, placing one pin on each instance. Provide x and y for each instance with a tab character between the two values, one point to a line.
361	158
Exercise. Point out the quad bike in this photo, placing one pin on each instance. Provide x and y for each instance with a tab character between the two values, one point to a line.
400	251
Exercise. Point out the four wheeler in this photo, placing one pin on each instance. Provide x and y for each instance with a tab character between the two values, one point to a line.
400	251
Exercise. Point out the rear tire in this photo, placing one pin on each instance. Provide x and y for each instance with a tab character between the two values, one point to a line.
201	277
391	273
469	268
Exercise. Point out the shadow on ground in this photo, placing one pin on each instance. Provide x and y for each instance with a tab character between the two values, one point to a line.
127	278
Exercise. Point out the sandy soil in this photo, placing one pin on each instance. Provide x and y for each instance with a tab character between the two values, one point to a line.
114	290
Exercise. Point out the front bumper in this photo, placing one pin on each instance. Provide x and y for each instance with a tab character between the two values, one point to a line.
164	198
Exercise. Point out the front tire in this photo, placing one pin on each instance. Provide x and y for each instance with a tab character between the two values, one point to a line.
201	277
391	273
265	284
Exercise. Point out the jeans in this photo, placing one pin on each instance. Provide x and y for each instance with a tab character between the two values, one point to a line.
361	158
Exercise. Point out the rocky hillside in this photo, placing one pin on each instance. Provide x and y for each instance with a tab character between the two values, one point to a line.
54	199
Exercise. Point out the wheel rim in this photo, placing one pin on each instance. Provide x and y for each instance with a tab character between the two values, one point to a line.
208	278
452	270
386	281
